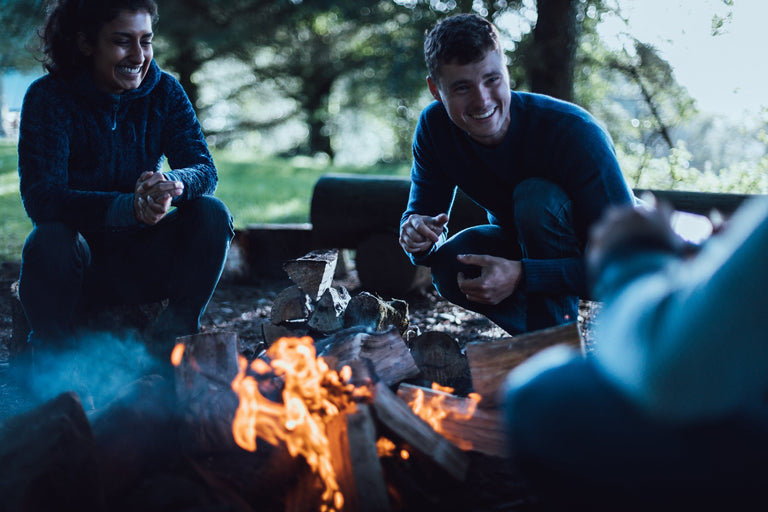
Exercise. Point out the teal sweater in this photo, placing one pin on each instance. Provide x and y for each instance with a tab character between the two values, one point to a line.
81	150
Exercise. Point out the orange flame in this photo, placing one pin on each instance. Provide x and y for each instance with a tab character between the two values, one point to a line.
312	395
433	412
177	354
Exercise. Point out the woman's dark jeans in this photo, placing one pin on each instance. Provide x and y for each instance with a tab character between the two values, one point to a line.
180	259
543	230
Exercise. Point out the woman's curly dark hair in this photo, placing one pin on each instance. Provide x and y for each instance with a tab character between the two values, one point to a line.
67	18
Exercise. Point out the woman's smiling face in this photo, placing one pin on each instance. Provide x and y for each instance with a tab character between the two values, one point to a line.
123	51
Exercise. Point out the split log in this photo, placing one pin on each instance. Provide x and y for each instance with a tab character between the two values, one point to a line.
463	424
272	333
313	272
328	315
352	437
290	305
371	312
388	353
204	373
383	267
403	423
490	362
441	360
48	459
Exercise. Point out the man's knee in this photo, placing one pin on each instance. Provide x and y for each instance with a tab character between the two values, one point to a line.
538	199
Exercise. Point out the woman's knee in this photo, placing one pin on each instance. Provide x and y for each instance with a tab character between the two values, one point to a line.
209	215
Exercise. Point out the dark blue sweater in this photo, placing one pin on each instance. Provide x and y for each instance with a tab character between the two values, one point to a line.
81	150
548	139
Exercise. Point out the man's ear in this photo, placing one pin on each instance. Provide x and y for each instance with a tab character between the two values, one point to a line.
433	89
83	45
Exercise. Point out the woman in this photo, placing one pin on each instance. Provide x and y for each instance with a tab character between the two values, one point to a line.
109	226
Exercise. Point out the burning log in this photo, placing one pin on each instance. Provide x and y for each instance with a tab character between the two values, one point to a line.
290	305
272	333
369	311
490	362
391	359
313	272
206	364
404	424
441	360
356	461
459	419
328	315
48	459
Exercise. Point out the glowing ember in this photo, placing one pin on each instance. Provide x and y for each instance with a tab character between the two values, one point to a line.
177	354
312	394
385	447
432	411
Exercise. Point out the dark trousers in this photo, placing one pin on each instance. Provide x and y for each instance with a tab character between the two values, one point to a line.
583	446
543	230
180	259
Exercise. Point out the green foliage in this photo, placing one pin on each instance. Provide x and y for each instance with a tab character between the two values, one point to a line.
256	190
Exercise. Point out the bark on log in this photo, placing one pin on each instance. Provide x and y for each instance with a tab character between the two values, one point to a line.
441	360
203	389
701	203
490	362
260	250
369	311
465	425
291	305
313	272
352	437
48	459
402	423
388	353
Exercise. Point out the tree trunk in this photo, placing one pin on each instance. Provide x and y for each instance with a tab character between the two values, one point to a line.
551	65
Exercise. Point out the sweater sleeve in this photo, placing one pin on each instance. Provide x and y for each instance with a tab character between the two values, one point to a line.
431	193
685	339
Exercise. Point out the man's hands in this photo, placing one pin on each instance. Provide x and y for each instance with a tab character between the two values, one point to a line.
420	232
498	278
153	195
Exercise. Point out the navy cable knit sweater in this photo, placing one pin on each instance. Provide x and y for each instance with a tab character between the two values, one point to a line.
81	150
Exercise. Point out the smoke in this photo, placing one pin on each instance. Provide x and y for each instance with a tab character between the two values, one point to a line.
101	366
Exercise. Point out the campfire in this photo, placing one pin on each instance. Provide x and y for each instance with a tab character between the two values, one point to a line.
346	409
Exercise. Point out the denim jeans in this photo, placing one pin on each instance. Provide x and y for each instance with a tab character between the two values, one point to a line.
543	229
583	446
180	259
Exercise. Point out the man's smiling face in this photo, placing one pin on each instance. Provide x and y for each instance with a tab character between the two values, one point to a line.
476	96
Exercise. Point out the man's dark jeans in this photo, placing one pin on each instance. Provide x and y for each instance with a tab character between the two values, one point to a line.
543	230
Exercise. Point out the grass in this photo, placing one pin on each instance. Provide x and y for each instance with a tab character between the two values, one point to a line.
256	190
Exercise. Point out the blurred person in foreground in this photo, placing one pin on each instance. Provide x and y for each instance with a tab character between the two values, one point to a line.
109	225
543	169
669	411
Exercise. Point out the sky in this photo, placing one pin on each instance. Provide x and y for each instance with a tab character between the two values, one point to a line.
726	73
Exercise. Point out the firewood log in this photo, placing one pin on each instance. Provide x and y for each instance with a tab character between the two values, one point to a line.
370	311
291	305
465	425
402	422
204	373
352	437
491	361
328	315
313	272
390	357
441	360
48	459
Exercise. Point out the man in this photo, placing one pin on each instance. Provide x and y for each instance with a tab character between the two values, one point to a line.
669	412
543	169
